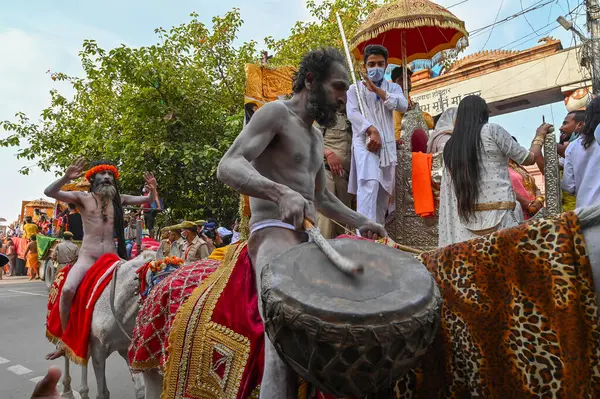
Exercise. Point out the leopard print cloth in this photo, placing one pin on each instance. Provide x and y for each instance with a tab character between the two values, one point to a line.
519	320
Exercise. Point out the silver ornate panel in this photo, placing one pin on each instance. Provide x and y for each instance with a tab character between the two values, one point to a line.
405	226
552	177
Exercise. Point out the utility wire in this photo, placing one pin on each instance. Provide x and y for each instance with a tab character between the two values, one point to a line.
525	16
533	7
457	4
494	24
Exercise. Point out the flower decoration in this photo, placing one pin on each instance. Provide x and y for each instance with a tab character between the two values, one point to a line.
161	264
101	168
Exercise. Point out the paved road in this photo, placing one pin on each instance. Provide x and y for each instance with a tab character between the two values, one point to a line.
23	345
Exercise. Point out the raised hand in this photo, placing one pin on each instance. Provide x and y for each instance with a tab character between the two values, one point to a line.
543	130
151	183
368	83
76	169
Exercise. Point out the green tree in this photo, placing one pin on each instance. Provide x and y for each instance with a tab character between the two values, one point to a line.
172	108
322	31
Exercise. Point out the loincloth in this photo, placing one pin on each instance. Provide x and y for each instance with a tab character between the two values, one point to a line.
266	223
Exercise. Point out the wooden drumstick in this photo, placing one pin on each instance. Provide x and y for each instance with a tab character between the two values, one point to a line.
346	265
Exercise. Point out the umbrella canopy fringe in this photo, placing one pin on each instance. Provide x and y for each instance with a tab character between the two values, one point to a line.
412	23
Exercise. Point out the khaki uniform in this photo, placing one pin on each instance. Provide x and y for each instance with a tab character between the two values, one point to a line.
196	250
178	248
164	249
339	140
65	253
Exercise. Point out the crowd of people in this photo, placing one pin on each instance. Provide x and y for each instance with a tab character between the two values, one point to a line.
485	185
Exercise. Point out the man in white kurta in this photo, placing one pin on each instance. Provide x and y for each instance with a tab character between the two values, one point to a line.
373	164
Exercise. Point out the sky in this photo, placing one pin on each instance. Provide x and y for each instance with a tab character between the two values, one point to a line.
38	36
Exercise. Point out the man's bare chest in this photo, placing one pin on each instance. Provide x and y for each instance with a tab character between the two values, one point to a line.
298	148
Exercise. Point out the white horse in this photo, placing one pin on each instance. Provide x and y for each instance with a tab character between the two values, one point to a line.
112	326
590	224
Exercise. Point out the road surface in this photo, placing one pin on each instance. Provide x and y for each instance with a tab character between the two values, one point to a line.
23	345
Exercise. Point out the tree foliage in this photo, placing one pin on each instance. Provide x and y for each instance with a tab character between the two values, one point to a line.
322	31
172	108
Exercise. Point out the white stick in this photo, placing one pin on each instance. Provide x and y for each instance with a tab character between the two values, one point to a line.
346	265
350	64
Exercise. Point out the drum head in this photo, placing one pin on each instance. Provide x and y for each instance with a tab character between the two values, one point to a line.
350	335
394	284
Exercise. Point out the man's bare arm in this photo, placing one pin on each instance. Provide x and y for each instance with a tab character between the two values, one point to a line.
54	191
74	171
235	168
143	199
136	199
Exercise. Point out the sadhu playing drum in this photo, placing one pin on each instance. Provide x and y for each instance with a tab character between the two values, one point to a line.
277	160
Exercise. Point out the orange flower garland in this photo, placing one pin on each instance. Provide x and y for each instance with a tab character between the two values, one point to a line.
161	264
101	168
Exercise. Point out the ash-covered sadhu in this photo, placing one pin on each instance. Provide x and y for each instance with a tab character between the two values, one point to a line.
102	213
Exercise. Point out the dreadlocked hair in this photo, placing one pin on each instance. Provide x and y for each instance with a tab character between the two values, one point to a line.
119	226
318	63
592	119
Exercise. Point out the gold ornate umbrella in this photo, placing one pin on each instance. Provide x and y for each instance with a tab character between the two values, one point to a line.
426	29
81	185
40	204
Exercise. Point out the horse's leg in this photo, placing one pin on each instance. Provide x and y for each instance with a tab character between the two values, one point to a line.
153	382
67	391
99	356
138	380
84	391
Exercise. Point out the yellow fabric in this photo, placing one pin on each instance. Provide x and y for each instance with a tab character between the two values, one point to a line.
32	261
30	229
218	253
264	84
398	123
568	202
568	199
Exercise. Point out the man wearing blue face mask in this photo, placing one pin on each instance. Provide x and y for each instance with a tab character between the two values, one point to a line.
373	142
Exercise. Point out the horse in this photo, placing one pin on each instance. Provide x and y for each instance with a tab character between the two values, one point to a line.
590	223
113	321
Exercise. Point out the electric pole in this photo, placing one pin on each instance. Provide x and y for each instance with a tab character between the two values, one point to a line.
593	25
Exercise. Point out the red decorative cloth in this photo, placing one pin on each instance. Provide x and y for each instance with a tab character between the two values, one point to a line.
20	246
147	244
149	345
217	341
76	337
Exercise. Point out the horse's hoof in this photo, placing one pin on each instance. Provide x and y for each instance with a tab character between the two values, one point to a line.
68	395
84	394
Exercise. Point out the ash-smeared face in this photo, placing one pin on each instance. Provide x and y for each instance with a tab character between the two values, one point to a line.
103	184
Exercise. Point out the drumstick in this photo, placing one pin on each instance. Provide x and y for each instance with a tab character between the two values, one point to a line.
346	265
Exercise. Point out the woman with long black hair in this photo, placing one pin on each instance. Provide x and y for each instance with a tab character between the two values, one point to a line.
582	161
476	196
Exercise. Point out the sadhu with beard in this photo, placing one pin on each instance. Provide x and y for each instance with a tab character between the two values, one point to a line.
277	160
102	213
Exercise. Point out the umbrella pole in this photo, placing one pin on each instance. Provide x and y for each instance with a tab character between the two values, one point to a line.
350	64
404	65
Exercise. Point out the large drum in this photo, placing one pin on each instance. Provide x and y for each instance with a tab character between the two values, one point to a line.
350	335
